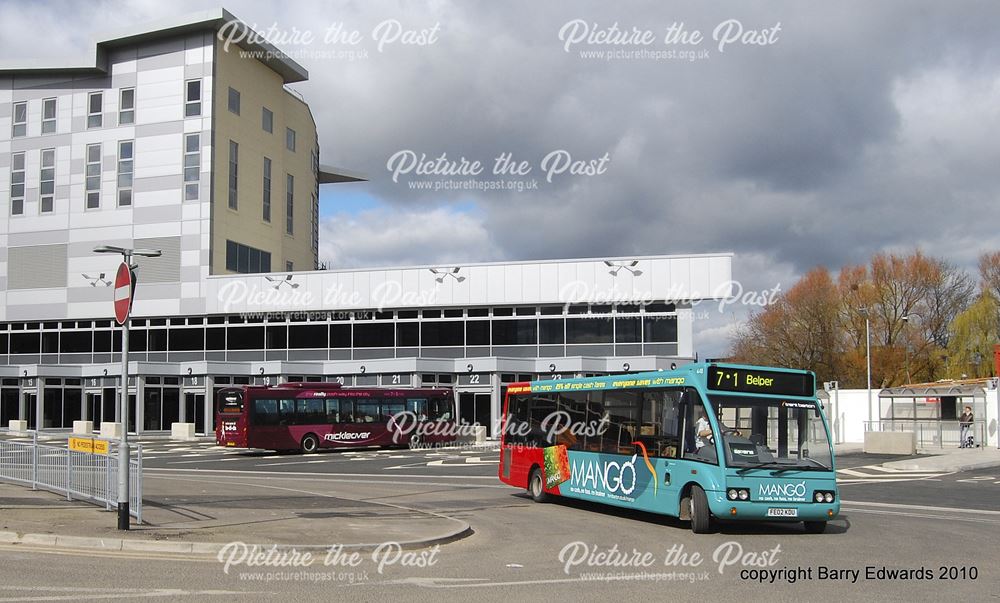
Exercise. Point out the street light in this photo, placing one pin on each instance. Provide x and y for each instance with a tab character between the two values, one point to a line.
123	452
868	360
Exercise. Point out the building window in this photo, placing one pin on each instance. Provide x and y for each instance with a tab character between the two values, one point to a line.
192	98
245	259
47	181
234	101
290	139
93	177
125	173
48	116
290	205
289	266
17	184
20	127
95	104
192	166
267	120
267	190
126	107
234	156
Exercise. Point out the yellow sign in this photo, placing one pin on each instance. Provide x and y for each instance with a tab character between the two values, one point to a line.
88	445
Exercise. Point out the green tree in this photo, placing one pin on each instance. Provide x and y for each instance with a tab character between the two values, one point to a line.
973	334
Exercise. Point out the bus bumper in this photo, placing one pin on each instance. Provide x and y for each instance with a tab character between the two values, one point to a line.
739	510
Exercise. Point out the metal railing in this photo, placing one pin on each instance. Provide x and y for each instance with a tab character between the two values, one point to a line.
932	433
78	475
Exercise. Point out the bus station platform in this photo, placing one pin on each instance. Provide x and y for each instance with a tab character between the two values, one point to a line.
200	518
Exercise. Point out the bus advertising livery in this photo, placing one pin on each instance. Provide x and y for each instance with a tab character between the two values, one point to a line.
703	442
311	416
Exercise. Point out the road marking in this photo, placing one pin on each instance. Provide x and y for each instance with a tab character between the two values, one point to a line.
920	507
314	474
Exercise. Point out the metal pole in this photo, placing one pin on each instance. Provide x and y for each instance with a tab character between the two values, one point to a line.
868	355
34	458
123	454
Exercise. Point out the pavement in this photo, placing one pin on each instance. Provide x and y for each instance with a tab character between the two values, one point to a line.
209	515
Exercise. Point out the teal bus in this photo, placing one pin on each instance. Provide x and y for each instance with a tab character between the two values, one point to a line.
703	442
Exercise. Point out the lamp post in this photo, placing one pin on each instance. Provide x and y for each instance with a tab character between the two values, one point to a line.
868	360
123	451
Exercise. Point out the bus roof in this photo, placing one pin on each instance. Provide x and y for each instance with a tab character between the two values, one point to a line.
674	377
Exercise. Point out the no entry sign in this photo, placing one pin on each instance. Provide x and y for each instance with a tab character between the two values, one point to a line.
124	286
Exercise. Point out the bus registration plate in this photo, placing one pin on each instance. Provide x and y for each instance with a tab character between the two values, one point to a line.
776	512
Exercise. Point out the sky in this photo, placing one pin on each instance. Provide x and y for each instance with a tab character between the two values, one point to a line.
792	134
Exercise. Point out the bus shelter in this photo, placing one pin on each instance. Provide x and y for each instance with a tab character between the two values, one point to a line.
932	411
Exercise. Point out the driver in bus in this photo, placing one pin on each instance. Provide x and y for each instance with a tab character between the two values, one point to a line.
703	431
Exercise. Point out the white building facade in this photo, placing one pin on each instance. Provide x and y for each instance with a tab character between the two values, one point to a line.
163	143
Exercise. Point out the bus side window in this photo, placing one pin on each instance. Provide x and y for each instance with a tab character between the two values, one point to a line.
265	412
346	411
515	427
572	420
332	410
286	412
660	430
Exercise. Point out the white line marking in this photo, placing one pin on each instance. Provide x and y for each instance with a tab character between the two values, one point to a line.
920	507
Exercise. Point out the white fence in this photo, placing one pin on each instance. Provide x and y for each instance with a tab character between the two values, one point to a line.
78	475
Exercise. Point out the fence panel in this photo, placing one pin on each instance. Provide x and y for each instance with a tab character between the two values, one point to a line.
78	475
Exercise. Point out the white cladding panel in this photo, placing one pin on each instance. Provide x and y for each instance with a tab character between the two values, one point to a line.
673	278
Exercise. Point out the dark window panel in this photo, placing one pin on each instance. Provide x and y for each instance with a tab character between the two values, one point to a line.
374	335
407	334
340	336
449	333
550	331
515	332
477	332
660	330
137	340
307	336
277	338
246	338
25	343
627	330
102	341
478	312
660	307
215	338
50	343
187	340
588	330
156	340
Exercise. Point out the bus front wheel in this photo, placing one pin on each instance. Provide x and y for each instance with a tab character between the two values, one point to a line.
815	527
701	516
310	444
535	486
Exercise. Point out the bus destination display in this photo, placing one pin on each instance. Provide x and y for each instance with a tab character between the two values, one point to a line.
760	382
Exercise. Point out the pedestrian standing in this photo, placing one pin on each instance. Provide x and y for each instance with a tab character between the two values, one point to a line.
965	425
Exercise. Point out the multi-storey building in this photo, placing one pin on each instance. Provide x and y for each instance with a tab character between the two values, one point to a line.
176	141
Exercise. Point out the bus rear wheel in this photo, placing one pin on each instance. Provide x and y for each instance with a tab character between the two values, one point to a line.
310	444
815	527
536	488
701	516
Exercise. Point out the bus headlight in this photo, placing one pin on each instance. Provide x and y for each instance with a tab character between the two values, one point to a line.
732	494
826	496
744	494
